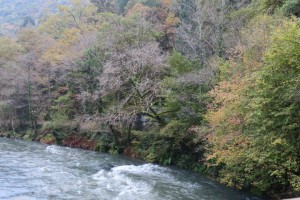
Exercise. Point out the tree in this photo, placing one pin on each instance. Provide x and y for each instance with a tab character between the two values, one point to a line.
28	22
10	49
9	82
273	115
130	80
272	5
185	89
291	7
202	31
113	6
83	80
80	16
252	117
201	27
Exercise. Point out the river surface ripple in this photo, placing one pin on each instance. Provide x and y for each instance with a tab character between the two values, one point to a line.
32	171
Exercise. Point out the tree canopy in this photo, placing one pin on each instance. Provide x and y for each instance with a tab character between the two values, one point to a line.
208	85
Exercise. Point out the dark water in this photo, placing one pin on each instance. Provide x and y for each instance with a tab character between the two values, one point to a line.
35	171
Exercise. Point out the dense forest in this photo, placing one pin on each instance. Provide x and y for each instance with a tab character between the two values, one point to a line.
15	13
207	85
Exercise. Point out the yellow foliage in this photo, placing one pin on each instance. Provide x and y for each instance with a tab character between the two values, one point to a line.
172	20
225	112
166	3
70	36
9	49
80	15
233	144
61	50
138	8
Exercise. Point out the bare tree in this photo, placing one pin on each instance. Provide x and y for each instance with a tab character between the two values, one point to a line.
202	31
131	79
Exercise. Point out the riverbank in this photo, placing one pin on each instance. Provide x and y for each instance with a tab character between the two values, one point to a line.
45	137
153	147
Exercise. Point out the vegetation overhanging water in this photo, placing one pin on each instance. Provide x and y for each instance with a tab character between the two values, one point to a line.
206	85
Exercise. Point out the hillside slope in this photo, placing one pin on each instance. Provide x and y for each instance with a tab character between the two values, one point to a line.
14	12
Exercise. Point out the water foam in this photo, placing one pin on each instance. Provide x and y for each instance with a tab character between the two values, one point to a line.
120	182
143	170
53	149
55	172
140	182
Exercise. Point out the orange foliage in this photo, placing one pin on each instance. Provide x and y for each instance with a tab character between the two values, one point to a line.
226	102
226	113
166	3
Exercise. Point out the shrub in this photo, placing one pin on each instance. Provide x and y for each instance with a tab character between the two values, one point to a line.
291	7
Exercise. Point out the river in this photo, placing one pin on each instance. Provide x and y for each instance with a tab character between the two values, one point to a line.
32	171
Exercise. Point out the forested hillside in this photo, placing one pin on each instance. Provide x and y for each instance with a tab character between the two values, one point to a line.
207	85
15	13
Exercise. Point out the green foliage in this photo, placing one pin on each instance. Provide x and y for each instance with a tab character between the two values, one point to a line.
11	134
274	110
29	135
61	113
94	73
6	111
86	78
104	143
246	14
180	64
184	100
257	146
272	5
150	3
132	30
48	139
115	150
291	7
285	7
174	144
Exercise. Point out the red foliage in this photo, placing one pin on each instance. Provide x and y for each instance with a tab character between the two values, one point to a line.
129	151
76	141
62	90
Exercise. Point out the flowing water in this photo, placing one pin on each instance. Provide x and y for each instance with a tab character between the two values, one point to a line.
34	171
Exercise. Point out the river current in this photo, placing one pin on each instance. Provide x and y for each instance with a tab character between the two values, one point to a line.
32	171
